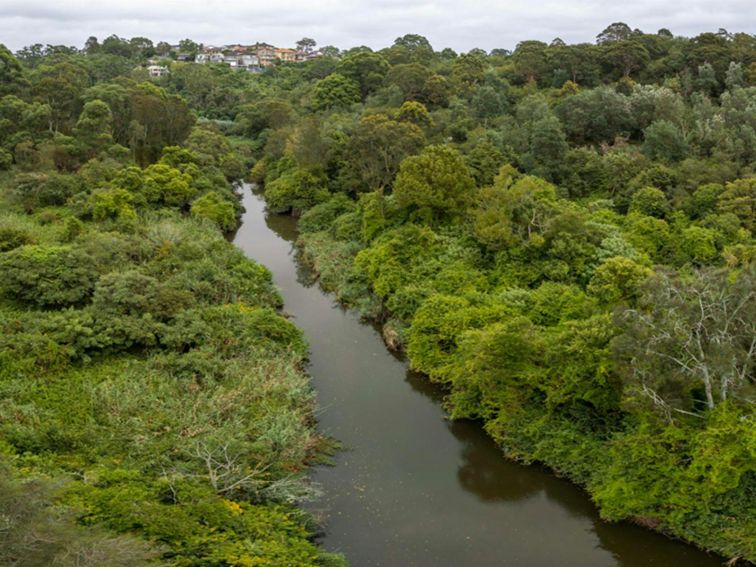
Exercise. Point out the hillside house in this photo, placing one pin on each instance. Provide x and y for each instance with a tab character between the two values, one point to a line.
286	54
210	57
266	53
157	71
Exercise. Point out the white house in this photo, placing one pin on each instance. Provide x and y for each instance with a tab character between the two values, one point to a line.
232	61
157	70
210	57
249	61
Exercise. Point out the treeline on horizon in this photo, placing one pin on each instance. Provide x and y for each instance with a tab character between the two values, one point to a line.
561	235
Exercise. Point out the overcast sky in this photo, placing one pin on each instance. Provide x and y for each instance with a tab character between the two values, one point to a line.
346	23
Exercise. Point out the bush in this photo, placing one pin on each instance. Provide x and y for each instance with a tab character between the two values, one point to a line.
698	245
321	217
664	141
295	190
37	529
214	207
618	279
112	204
12	237
6	159
35	190
650	201
47	276
233	329
166	185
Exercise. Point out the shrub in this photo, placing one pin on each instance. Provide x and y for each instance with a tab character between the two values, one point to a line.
12	237
35	190
214	207
295	189
47	276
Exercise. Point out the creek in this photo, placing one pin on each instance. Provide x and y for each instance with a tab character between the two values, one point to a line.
410	487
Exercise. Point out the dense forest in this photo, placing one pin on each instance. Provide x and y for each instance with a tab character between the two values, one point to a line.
153	403
561	236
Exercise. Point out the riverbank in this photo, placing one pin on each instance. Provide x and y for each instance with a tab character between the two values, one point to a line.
563	445
410	486
153	405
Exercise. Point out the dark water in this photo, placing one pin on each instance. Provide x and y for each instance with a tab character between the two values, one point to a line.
412	488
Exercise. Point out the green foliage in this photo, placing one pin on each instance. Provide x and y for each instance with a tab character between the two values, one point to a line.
632	152
365	68
6	159
15	232
385	263
437	325
166	185
335	91
94	128
595	115
704	200
739	198
322	216
664	141
214	379
155	407
514	209
415	112
36	531
484	162
112	204
48	276
214	207
698	245
434	184
158	119
618	279
380	144
295	189
650	201
35	190
11	72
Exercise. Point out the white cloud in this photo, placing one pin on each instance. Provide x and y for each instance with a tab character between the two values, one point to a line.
460	25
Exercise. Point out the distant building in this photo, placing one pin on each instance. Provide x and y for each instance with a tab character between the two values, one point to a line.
249	60
285	54
215	56
235	59
231	60
266	53
252	57
157	71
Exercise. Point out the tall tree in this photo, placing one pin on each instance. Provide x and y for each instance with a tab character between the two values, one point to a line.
435	184
618	31
366	68
378	147
158	119
11	73
94	130
306	44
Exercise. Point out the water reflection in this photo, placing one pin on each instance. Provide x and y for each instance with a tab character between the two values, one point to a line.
484	472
